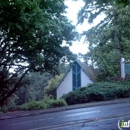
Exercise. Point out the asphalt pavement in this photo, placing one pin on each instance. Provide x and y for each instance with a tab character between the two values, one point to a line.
17	114
102	117
96	116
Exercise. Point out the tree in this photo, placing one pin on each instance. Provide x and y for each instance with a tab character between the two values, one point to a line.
109	40
34	89
31	35
34	85
50	90
94	8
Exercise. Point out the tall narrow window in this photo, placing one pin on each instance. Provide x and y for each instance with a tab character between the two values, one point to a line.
76	73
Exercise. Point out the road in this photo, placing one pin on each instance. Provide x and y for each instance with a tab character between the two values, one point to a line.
92	118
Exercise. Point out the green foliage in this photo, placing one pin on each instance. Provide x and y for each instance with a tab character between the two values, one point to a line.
3	109
50	90
31	35
34	89
57	103
51	103
101	91
123	82
10	104
33	105
43	104
93	8
36	105
109	41
123	2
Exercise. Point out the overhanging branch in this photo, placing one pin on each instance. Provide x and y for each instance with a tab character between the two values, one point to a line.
16	86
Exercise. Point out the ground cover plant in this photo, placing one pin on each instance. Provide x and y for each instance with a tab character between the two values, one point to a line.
100	91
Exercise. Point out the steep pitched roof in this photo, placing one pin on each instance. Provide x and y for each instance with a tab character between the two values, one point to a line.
89	70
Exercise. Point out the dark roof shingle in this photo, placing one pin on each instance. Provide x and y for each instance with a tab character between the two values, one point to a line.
89	70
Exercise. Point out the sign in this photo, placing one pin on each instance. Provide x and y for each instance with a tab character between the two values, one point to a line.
127	68
122	124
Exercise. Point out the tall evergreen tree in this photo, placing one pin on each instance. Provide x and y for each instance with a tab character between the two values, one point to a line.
109	40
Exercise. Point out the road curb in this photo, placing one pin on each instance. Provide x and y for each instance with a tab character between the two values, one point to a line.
51	110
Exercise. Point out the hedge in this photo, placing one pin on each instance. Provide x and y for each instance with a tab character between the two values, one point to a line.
101	91
43	104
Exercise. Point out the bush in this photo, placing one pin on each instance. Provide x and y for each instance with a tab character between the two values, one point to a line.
101	91
43	104
34	105
57	103
51	103
123	82
10	104
3	109
50	90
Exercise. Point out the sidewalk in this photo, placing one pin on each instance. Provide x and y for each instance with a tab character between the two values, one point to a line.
17	114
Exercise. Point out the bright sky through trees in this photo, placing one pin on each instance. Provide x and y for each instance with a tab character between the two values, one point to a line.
73	9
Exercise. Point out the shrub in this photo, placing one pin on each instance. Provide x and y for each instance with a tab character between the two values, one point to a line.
10	104
34	105
57	103
123	82
51	103
50	90
43	104
3	109
98	92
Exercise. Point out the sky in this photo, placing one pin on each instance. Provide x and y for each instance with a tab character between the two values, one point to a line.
72	11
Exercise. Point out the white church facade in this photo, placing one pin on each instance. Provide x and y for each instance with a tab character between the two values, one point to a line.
80	75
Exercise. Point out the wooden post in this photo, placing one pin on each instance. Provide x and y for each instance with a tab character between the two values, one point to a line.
122	68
